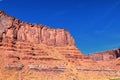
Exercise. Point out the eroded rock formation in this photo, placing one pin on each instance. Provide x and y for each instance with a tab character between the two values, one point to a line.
12	29
36	49
105	55
37	52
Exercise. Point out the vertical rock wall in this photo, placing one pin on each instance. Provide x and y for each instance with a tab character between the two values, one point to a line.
12	29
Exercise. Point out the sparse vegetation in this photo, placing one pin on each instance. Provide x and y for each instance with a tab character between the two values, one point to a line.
115	79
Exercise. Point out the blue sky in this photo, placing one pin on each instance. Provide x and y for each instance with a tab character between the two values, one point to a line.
94	24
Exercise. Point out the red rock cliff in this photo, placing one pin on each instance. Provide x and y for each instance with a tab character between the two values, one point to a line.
12	30
105	55
31	48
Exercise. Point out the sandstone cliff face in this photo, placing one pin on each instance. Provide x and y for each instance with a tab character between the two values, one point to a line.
13	30
36	50
105	55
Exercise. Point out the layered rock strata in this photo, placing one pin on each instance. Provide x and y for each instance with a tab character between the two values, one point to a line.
37	49
16	30
105	55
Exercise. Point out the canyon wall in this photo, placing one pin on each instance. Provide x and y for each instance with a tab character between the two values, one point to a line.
36	49
12	30
37	52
